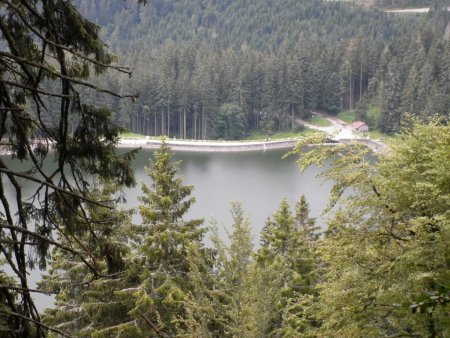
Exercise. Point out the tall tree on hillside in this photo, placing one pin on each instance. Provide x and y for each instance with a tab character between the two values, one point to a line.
390	117
296	89
410	96
205	93
49	42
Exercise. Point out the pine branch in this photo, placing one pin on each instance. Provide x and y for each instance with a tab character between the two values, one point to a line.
150	323
37	322
48	240
11	109
25	290
22	60
31	89
54	187
122	69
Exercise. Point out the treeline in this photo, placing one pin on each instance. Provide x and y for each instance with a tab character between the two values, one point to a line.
379	269
332	56
189	90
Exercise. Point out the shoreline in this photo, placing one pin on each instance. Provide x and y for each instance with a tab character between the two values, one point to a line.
235	146
210	146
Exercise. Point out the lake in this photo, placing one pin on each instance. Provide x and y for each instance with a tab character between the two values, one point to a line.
259	180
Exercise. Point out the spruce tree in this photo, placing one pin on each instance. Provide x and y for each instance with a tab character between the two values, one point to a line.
159	302
287	251
232	267
220	300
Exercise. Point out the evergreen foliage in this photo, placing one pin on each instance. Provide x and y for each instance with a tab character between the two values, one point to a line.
167	237
275	62
48	52
380	268
287	252
384	252
232	270
87	302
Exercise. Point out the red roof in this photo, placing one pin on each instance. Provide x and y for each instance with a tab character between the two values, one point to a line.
358	124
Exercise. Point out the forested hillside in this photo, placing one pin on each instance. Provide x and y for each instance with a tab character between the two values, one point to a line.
263	25
224	69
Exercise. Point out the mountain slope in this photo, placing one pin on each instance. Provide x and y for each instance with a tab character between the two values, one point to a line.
260	24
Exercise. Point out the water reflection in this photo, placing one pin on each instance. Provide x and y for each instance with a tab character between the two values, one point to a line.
259	180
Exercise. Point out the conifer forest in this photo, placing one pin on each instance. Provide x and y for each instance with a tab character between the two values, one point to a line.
78	75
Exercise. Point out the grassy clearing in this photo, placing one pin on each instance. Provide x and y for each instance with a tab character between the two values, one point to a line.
259	136
376	134
319	121
255	136
132	136
347	116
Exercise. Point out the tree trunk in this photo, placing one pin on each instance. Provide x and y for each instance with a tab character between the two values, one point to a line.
168	120
162	122
360	78
257	121
195	126
179	125
203	121
292	117
351	88
184	122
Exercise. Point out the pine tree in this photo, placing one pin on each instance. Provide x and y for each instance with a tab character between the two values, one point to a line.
265	293
287	251
299	312
204	316
273	258
390	117
233	269
303	222
159	302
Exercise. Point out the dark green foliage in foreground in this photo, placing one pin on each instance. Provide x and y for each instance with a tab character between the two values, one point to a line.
48	52
143	277
88	302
